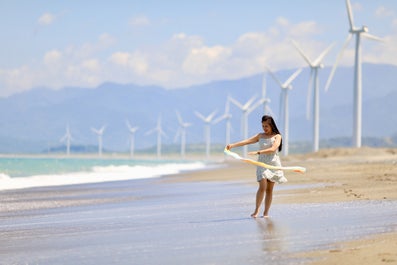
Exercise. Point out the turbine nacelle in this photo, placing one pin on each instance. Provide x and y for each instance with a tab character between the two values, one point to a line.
364	29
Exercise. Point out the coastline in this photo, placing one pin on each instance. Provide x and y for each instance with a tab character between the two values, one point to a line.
334	177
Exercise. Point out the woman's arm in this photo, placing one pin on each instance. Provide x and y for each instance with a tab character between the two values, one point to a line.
271	149
253	139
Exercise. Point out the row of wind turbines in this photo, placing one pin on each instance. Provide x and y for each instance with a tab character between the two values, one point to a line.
313	100
313	88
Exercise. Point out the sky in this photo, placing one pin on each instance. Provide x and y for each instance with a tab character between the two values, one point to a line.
175	44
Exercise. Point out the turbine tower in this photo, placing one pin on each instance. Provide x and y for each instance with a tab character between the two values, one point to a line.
247	108
68	138
182	132
132	131
160	133
207	130
99	133
226	116
357	89
314	88
285	87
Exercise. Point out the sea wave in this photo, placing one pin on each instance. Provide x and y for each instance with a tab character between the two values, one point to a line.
98	174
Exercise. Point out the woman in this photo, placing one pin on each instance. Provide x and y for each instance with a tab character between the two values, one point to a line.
270	143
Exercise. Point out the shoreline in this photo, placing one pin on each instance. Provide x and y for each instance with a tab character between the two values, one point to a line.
333	176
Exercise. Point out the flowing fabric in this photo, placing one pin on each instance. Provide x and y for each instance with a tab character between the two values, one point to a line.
257	163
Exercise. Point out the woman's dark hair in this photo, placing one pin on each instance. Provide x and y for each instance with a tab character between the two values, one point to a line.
274	128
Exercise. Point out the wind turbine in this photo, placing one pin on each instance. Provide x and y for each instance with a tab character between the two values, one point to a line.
182	132
314	87
67	137
160	133
285	87
247	108
99	133
132	131
207	130
226	116
357	90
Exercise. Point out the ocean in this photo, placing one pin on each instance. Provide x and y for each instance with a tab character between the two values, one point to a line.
28	172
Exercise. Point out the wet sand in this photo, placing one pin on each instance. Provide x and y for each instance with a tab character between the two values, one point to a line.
342	211
340	175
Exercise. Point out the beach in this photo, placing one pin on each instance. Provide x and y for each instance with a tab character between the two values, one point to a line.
342	174
342	210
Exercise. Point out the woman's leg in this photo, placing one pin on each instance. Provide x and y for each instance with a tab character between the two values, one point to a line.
260	194
268	198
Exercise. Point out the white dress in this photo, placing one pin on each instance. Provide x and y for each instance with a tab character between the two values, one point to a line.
270	159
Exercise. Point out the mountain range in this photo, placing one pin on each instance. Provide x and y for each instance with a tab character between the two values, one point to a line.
34	121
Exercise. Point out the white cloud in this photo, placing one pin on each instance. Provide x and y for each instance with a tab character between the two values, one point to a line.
120	58
200	61
183	60
52	57
46	19
135	61
91	65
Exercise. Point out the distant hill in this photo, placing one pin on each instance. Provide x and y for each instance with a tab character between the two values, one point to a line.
34	121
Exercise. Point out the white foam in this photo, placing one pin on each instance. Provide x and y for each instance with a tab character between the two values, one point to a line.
98	174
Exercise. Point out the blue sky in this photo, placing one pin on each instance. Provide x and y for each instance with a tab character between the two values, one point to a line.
177	43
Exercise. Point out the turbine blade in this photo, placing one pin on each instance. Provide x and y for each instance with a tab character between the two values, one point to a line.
211	116
301	52
179	117
372	37
227	106
322	55
274	77
292	77
235	102
257	104
350	14
199	115
151	131
249	102
128	124
178	133
102	129
264	85
331	75
162	133
219	119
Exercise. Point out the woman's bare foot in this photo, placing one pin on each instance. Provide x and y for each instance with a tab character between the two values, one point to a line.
265	215
254	215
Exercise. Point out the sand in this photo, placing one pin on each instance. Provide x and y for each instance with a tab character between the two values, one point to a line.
343	174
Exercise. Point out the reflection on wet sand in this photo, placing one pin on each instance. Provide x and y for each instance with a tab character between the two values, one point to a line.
272	234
